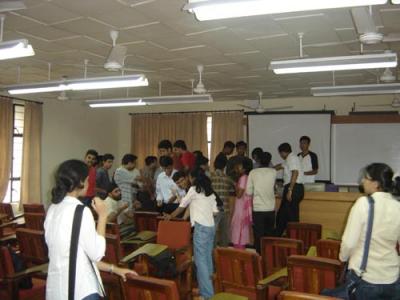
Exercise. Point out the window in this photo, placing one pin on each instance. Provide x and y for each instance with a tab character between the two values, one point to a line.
14	185
209	134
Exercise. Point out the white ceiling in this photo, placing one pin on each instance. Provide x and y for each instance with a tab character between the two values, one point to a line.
167	43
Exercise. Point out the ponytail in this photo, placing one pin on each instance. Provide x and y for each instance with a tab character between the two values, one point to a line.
396	186
69	176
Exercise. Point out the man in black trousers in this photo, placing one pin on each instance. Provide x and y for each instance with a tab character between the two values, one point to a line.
293	191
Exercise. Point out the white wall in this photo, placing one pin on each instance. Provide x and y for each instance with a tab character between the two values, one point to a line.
69	130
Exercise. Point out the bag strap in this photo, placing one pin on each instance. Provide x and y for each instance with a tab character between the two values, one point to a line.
73	250
367	243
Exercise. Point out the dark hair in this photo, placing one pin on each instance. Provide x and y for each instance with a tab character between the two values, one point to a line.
201	160
285	147
247	165
107	156
220	162
229	144
166	161
92	152
241	144
180	144
112	186
305	138
149	160
256	152
165	144
178	175
128	158
383	174
198	153
265	159
201	182
69	176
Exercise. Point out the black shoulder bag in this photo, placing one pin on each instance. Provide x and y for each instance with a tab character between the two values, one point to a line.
73	251
346	291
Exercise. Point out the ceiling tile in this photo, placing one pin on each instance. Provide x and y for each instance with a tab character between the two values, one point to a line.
48	13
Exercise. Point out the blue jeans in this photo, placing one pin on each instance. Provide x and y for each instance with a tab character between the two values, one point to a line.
370	291
92	297
203	240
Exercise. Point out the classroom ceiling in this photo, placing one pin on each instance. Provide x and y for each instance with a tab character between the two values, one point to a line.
166	44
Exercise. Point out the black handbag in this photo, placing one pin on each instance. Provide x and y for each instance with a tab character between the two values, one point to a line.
73	250
352	281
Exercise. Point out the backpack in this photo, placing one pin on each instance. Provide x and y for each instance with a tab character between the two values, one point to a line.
164	264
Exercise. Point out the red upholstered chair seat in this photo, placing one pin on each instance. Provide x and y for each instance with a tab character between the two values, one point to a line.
308	233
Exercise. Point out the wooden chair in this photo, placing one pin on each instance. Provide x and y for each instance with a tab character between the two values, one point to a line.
6	208
9	280
289	295
34	220
32	246
328	249
275	251
308	233
148	288
34	208
177	236
312	274
239	272
145	229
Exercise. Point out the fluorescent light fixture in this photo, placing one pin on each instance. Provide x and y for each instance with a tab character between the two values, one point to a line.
115	102
79	84
157	100
338	63
223	9
363	89
396	1
16	48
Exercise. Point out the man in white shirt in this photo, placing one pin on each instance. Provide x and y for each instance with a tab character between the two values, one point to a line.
166	189
260	184
113	205
293	191
308	159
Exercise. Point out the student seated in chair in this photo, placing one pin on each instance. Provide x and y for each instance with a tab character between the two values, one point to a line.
113	205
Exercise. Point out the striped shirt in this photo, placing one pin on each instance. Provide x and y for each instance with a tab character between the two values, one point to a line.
223	186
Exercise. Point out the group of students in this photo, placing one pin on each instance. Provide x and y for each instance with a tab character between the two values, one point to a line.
183	180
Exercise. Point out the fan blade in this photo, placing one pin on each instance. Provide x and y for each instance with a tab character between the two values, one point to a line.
245	106
391	37
363	20
278	108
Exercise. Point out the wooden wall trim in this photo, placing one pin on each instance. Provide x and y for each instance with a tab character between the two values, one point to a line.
373	118
332	196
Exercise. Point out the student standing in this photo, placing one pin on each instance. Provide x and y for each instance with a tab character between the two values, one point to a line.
186	157
242	214
308	159
102	176
260	185
203	206
90	160
241	148
125	177
293	191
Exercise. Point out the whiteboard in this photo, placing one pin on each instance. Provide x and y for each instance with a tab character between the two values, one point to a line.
356	145
268	131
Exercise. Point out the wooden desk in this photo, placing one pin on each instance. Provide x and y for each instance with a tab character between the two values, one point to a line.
330	209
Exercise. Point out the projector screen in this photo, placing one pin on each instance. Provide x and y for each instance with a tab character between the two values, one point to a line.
268	131
356	145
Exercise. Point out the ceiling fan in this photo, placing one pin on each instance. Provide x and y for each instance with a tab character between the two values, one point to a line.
259	108
367	29
116	58
200	88
395	103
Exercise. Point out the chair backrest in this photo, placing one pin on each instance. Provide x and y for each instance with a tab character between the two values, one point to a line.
148	288
289	295
328	248
34	208
6	264
238	271
308	233
174	234
275	251
146	220
312	274
34	220
113	228
113	249
32	245
6	208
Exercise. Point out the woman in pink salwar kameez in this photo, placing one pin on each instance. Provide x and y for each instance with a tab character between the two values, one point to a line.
242	215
